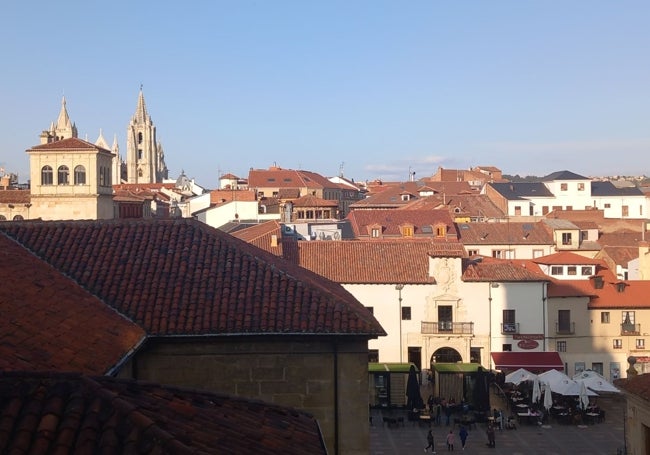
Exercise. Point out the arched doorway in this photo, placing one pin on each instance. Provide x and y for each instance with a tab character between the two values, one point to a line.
446	355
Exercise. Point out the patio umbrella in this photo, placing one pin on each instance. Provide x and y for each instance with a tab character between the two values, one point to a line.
537	393
548	397
584	399
413	397
519	376
595	382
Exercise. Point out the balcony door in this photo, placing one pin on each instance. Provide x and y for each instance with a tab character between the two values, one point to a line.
564	321
445	318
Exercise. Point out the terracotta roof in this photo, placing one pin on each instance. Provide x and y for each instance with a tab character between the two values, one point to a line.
474	205
390	195
49	322
15	196
502	270
382	261
70	413
314	201
71	144
221	196
622	238
261	235
596	216
390	221
511	233
619	255
182	277
144	187
566	258
636	385
276	177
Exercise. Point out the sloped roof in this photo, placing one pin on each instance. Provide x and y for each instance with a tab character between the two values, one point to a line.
502	270
71	413
261	235
391	220
622	238
221	196
511	233
566	258
563	175
181	277
71	144
377	262
314	201
15	196
607	188
277	177
636	385
390	194
475	205
521	190
619	255
49	322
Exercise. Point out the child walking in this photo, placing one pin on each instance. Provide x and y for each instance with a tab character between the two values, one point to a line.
450	440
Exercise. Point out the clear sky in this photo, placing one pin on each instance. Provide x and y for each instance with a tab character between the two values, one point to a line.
378	87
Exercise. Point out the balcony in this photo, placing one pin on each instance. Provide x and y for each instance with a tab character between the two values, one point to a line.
509	327
630	329
447	328
567	328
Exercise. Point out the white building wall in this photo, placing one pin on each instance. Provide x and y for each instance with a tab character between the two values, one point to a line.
225	213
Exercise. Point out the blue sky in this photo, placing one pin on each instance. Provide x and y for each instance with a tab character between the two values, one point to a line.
531	87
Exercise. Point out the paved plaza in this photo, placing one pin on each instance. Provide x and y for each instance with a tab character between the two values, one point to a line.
555	438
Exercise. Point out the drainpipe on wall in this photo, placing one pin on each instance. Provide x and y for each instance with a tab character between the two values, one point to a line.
544	315
490	323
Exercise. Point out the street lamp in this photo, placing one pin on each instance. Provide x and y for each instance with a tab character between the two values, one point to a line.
399	288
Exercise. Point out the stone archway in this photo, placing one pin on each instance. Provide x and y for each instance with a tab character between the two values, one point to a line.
446	355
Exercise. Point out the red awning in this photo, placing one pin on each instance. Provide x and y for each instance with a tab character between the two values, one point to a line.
534	362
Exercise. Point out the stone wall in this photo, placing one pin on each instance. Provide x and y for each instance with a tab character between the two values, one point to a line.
327	378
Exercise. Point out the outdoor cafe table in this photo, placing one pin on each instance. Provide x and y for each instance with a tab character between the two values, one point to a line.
592	416
530	419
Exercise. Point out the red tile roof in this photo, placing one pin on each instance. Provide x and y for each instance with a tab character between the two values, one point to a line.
636	385
502	270
361	222
261	235
382	261
49	322
220	196
69	413
71	144
181	277
566	258
389	195
473	205
511	233
15	196
276	177
314	201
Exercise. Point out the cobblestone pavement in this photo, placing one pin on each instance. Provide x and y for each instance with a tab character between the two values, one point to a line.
599	438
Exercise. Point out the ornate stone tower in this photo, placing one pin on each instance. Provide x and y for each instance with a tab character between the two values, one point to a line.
145	160
64	128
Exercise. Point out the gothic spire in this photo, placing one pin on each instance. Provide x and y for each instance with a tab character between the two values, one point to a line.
101	142
63	122
141	110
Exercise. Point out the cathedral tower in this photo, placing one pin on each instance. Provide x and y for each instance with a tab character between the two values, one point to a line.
64	128
145	161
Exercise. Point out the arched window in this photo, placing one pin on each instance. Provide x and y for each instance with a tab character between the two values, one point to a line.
47	176
79	175
18	218
139	138
63	175
3	218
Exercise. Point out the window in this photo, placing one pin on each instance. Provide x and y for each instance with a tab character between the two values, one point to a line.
564	321
373	355
509	323
445	318
572	270
441	231
47	176
569	208
506	347
604	317
102	177
3	218
581	186
608	206
557	270
628	317
406	313
618	343
63	175
139	154
139	138
560	346
597	367
472	253
545	210
640	343
499	254
640	210
517	210
566	238
586	271
538	253
374	233
407	231
79	175
564	186
625	211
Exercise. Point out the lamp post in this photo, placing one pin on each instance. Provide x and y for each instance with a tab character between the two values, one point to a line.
399	288
27	206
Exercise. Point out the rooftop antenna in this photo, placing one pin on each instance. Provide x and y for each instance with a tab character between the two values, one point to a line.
341	169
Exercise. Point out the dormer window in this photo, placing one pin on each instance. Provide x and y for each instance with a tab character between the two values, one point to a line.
406	197
374	233
566	238
620	286
407	231
441	230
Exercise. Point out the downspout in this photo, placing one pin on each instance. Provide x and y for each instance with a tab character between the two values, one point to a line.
544	315
336	398
490	321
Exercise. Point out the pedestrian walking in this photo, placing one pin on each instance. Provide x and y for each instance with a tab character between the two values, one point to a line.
490	435
450	440
463	435
430	442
